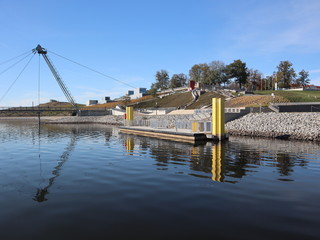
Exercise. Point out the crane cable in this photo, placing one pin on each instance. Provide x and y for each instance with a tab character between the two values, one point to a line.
3	96
14	63
14	58
92	70
39	81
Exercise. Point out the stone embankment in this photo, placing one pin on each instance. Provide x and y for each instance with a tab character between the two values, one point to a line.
109	119
302	126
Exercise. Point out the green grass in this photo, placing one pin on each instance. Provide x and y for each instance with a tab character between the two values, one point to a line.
294	96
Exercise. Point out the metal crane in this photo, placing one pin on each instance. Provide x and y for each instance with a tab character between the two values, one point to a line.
43	52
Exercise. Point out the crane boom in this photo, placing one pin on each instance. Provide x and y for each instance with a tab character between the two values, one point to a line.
43	52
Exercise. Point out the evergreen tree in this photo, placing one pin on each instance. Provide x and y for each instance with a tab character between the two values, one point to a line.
285	74
162	80
237	71
303	78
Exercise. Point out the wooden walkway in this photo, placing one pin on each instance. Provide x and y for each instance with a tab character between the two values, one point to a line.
180	135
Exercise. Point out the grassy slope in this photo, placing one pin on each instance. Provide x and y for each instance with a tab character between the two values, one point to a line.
254	101
295	96
174	100
204	100
58	104
182	99
121	103
179	100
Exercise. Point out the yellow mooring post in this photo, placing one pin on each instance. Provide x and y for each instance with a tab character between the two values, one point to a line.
218	118
129	116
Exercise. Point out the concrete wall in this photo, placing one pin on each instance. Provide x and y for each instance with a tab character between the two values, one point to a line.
299	107
232	115
95	112
118	112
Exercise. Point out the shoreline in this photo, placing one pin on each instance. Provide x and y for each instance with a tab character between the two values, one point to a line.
295	126
110	120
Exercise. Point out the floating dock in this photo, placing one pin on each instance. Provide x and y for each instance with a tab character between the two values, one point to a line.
180	135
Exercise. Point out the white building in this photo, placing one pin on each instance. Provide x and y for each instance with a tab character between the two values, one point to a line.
91	102
137	93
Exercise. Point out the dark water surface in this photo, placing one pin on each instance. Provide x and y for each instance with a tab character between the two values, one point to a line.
90	182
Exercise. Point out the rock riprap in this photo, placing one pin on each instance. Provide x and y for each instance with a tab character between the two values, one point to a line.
304	126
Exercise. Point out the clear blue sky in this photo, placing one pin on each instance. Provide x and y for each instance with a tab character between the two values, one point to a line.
132	39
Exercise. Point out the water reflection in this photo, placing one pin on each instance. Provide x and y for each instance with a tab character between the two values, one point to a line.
42	192
229	161
217	161
94	180
129	145
73	132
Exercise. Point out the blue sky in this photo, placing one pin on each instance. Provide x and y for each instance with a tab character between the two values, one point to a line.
131	40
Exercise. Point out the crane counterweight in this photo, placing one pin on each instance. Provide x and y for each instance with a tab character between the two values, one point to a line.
40	49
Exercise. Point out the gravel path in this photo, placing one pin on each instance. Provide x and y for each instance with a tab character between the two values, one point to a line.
304	126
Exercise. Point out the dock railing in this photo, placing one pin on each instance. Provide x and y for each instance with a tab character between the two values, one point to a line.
192	125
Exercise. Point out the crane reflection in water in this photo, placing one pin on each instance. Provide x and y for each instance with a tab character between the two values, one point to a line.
42	192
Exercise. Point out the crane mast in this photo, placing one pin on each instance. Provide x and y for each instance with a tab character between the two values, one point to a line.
43	52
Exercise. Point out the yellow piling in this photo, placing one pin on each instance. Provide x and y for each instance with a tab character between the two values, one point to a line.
129	116
218	118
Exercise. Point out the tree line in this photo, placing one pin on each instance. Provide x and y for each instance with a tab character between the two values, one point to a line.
233	75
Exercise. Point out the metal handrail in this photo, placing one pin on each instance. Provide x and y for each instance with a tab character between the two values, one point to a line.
315	108
37	108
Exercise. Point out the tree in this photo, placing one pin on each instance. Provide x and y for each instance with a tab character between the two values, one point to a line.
218	72
178	80
269	82
200	73
237	71
152	91
195	73
254	79
285	74
303	78
162	80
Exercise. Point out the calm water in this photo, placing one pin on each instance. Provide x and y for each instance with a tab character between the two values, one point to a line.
90	182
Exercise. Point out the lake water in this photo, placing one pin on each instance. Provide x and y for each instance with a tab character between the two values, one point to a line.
90	182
